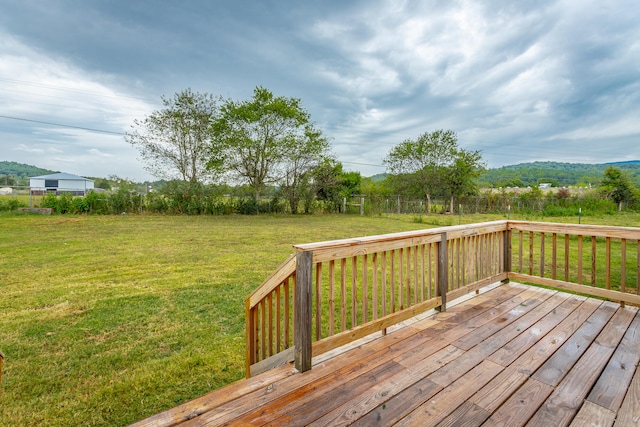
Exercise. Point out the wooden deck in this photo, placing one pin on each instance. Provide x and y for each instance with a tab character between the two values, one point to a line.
513	355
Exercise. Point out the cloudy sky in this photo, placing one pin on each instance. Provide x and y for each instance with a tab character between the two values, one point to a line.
521	81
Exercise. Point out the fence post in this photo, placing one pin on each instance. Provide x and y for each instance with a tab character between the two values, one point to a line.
302	310
1	361
443	272
506	252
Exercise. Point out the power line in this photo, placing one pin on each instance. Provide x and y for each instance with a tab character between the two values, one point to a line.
74	90
364	164
63	125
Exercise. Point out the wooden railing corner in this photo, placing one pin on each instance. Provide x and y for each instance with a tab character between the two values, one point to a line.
302	337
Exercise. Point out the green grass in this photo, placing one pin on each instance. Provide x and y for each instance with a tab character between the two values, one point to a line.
105	320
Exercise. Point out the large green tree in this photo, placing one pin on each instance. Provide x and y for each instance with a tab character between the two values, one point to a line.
433	164
467	166
331	183
304	153
268	140
175	142
617	186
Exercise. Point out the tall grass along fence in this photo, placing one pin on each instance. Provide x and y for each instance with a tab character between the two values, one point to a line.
210	202
483	204
329	294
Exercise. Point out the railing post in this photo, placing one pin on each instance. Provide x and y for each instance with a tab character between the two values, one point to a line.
302	310
506	252
443	272
251	337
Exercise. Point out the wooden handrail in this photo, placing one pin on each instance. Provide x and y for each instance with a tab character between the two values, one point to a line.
353	287
286	270
331	293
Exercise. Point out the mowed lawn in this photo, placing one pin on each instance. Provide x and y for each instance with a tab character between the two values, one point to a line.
105	320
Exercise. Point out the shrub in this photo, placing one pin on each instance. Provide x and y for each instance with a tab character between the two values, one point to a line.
10	205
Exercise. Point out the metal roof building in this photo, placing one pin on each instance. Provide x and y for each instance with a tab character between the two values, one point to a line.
60	183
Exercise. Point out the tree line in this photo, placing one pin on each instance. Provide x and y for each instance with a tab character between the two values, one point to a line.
555	173
270	142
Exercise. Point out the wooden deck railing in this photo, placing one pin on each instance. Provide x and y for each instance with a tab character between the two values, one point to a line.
594	260
332	293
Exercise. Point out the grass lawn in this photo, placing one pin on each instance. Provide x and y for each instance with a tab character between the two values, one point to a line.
105	320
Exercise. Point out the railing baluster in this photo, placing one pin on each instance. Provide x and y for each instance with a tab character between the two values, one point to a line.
415	275
580	275
458	263
332	308
623	264
422	270
542	254
408	278
287	315
566	257
531	253
476	257
593	260
270	304
365	286
463	249
607	262
354	292
393	282
430	279
318	301
278	320
401	278
501	251
453	263
554	255
508	251
384	283
495	253
263	347
343	290
520	239
374	284
443	274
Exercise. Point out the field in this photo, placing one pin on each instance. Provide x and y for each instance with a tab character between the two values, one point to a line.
105	320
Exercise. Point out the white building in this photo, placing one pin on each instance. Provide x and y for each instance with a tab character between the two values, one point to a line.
60	183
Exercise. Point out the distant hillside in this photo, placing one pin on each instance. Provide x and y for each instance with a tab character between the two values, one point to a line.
20	169
378	177
556	173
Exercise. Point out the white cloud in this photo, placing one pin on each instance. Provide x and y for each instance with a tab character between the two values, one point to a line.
40	88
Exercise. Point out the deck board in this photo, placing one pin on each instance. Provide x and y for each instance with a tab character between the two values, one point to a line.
629	413
569	395
612	385
513	355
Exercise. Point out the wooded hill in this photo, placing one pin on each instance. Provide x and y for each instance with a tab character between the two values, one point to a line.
555	173
21	169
